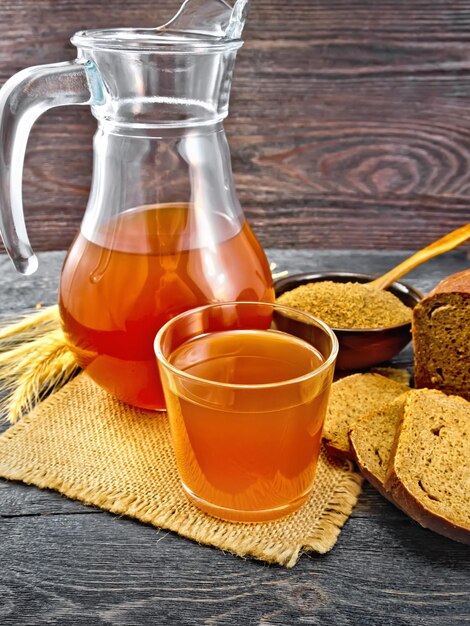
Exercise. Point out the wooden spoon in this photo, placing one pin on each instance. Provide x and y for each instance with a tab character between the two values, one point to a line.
446	243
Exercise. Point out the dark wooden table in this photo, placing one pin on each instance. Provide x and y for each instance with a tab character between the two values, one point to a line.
64	563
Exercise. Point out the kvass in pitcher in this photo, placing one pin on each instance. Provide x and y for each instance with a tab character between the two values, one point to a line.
163	231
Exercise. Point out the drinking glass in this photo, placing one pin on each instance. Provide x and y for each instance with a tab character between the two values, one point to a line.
246	387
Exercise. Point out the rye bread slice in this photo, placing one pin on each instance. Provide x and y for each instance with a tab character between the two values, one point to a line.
428	476
351	398
372	438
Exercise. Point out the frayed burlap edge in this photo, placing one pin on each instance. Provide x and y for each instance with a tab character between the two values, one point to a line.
335	515
225	536
321	541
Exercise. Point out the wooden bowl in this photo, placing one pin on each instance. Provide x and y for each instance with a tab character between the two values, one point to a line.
360	348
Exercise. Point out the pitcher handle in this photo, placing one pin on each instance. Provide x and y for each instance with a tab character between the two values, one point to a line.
23	98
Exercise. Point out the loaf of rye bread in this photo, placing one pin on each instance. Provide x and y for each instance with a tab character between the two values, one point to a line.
441	337
415	452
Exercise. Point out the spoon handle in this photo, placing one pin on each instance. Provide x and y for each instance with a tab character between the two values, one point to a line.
446	243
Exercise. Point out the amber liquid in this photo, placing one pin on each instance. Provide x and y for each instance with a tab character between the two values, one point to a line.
143	268
247	453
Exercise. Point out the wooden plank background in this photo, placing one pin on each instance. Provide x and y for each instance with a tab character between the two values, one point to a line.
349	125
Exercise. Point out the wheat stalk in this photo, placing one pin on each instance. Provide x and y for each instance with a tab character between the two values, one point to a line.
34	360
43	319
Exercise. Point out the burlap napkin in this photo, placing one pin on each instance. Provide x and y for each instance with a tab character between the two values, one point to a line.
90	447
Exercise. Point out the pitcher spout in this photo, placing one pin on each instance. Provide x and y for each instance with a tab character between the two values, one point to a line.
178	74
213	18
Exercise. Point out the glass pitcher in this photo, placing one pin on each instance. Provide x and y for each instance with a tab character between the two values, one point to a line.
163	230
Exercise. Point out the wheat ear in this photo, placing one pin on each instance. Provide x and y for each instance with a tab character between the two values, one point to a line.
46	318
34	360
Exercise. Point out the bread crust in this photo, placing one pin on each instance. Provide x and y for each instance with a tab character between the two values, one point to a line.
384	433
338	453
409	504
442	354
362	463
456	283
405	500
338	421
371	478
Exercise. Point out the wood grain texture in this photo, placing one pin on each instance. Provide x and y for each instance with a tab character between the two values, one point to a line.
63	563
349	122
100	569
